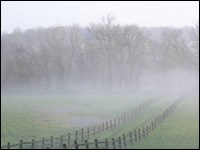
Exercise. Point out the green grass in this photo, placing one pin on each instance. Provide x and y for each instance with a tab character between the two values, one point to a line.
36	116
28	117
141	119
179	131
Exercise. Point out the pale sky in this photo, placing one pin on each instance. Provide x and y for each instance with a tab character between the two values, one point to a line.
29	14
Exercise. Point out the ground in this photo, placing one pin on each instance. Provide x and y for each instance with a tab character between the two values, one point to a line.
33	117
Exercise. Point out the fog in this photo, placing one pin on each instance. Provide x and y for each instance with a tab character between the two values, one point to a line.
109	48
68	68
102	58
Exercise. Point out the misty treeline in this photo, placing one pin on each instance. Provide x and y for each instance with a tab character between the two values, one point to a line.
105	55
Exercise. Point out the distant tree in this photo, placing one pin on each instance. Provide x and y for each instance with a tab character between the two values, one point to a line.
103	34
130	46
175	49
175	53
195	44
104	54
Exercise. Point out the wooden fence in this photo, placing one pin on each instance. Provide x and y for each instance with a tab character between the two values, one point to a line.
130	138
68	141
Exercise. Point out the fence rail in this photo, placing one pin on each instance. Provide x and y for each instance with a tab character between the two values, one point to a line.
82	136
133	136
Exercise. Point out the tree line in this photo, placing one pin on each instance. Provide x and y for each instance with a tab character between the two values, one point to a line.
104	55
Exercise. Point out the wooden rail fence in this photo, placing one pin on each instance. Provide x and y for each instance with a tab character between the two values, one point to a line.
132	137
68	141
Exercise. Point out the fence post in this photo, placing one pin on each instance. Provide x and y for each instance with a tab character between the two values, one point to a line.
131	137
147	131
124	139
43	143
76	135
94	130
157	120
139	134
21	144
120	147
88	132
160	118
61	141
102	126
99	128
167	112
163	116
122	120
110	124
114	122
106	142
155	123
8	145
82	134
96	143
143	132
86	144
113	143
32	145
64	146
68	144
106	125
152	128
118	121
51	142
135	136
76	144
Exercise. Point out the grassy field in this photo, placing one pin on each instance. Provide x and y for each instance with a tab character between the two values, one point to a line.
179	131
37	116
28	117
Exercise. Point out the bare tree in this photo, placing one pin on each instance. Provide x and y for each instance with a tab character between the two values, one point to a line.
175	52
195	45
103	35
130	43
104	54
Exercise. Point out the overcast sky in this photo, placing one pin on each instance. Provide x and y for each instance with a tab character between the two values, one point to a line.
29	14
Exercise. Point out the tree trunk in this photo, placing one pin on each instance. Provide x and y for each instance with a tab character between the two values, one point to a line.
109	74
120	71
